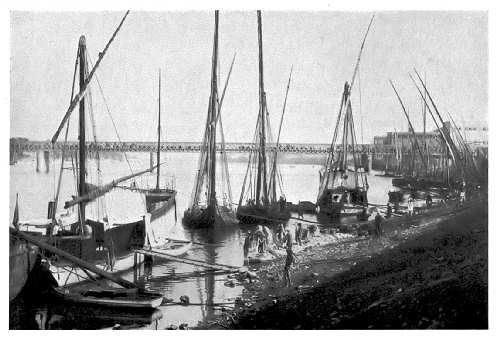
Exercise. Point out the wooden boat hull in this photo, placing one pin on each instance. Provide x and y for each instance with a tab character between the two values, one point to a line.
198	219
111	249
337	212
21	261
175	248
158	203
262	214
395	196
388	174
304	206
201	218
116	241
418	183
117	298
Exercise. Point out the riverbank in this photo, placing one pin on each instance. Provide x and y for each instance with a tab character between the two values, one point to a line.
430	272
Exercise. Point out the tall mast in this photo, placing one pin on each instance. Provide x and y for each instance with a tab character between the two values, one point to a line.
274	169
84	86
81	132
414	142
159	133
213	123
426	165
262	166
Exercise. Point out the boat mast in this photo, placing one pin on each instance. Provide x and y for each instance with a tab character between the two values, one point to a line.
159	132
426	165
274	168
262	166
332	164
212	200
81	133
83	88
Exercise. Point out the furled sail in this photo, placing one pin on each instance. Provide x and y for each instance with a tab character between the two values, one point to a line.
212	191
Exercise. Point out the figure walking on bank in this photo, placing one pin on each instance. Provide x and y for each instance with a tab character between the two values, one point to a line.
291	258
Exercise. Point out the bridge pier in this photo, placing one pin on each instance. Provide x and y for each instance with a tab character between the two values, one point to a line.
46	157
37	157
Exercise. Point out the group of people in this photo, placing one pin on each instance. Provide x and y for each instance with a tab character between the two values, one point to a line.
263	238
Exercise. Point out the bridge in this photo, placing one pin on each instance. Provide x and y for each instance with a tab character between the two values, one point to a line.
33	146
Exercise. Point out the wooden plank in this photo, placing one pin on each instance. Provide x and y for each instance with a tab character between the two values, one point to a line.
193	242
187	260
81	263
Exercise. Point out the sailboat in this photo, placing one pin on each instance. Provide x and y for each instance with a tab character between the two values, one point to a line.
343	182
258	201
209	206
159	200
94	240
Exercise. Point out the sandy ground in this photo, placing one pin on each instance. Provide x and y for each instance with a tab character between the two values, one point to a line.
427	271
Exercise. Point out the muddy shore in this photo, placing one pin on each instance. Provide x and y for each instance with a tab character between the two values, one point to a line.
428	271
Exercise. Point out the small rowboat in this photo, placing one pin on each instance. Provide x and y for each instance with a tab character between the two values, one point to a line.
174	248
112	298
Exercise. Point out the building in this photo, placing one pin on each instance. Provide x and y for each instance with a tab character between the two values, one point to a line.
476	136
404	140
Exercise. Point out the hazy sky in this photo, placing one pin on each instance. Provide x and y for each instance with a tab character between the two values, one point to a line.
451	48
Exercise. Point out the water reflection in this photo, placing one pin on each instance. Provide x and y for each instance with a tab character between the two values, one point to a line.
225	242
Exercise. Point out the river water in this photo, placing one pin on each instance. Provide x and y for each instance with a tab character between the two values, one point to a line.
35	189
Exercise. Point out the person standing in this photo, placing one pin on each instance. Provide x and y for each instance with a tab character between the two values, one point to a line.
410	206
281	235
389	210
428	200
298	234
300	211
290	259
378	224
462	198
259	234
246	247
288	238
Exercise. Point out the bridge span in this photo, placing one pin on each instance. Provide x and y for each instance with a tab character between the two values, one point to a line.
32	146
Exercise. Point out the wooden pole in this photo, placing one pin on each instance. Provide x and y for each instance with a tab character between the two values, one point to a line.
262	167
83	89
82	149
193	262
159	132
38	161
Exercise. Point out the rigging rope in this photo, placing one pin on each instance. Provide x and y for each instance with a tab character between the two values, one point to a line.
360	107
111	117
108	111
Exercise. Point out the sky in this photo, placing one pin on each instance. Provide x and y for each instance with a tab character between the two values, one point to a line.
449	48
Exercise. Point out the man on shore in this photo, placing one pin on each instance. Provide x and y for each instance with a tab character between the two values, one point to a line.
288	238
410	206
388	213
428	200
280	235
298	234
300	211
246	247
290	259
378	224
261	239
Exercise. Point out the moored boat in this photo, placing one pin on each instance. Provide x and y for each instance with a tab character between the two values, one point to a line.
209	208
159	200
111	298
93	239
259	201
343	182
